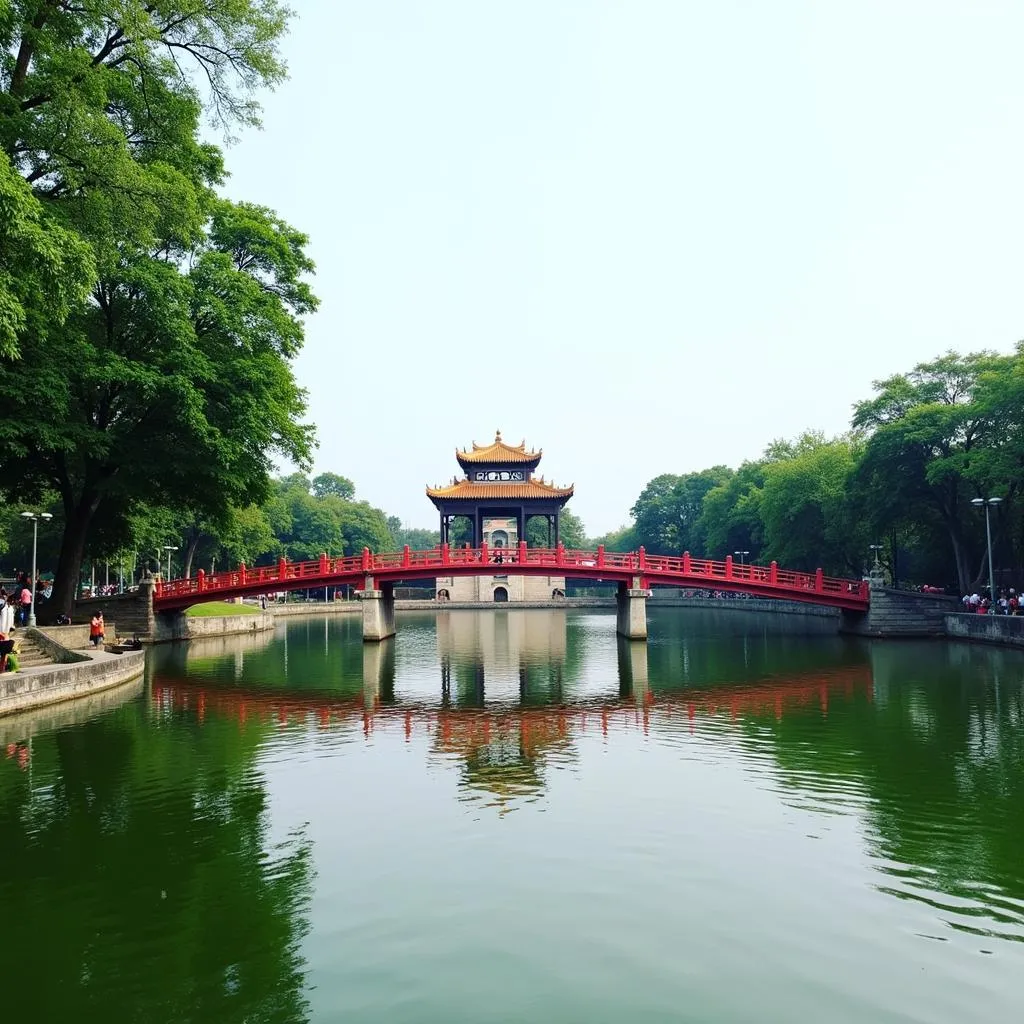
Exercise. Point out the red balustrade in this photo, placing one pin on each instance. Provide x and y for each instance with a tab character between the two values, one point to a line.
611	566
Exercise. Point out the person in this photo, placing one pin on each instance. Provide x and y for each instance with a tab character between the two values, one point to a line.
96	636
6	617
8	659
26	602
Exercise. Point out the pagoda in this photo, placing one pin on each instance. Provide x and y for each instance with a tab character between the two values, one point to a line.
499	494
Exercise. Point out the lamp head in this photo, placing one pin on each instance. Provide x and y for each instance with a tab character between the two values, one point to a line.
977	502
45	515
995	501
28	515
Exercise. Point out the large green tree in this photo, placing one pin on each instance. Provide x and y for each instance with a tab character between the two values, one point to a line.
45	269
807	516
925	456
668	508
171	387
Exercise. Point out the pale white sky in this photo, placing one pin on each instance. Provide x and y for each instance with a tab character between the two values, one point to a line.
649	236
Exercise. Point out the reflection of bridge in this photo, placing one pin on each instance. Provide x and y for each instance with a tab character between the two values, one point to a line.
504	744
634	573
462	725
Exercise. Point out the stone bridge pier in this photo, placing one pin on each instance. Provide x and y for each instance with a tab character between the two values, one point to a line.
631	610
378	610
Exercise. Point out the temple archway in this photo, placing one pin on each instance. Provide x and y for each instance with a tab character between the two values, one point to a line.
500	595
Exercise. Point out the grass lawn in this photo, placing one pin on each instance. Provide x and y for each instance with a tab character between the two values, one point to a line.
222	608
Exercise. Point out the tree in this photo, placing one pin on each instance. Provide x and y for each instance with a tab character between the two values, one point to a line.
331	483
925	429
622	539
173	390
45	269
806	509
571	531
730	519
669	506
172	386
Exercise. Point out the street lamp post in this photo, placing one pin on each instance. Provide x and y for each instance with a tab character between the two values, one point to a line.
742	556
35	517
169	548
876	548
989	503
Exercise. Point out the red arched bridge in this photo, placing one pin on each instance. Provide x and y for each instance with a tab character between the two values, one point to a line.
634	572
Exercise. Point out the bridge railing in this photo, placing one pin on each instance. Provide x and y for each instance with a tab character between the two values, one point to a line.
285	575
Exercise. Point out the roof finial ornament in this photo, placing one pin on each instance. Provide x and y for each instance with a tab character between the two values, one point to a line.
497	437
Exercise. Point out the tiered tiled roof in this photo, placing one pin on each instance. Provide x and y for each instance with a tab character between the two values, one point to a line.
497	453
470	490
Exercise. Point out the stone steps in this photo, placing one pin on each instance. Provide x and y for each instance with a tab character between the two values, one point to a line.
30	653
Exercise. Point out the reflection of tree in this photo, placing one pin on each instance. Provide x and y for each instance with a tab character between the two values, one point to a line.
137	880
715	646
940	755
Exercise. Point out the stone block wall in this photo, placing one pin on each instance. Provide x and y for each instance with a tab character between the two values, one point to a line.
901	613
133	611
992	629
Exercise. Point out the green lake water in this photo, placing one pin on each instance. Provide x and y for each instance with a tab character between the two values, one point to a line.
513	816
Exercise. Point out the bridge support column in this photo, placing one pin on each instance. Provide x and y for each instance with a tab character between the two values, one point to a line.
378	612
631	618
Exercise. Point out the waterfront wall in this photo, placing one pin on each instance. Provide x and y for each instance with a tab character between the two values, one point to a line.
132	611
21	725
179	626
747	605
75	638
990	629
901	613
38	687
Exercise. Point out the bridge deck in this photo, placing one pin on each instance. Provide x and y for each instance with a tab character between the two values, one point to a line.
632	568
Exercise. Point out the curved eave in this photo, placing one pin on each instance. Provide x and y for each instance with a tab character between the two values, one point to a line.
469	461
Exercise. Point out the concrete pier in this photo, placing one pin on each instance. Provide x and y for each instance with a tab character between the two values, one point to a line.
378	611
631	611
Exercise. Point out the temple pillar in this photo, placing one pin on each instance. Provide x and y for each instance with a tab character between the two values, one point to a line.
631	617
378	612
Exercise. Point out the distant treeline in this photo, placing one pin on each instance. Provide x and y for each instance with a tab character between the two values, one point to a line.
918	451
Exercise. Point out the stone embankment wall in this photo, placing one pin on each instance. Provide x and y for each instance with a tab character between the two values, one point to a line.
752	604
901	613
179	626
133	611
38	687
76	638
990	629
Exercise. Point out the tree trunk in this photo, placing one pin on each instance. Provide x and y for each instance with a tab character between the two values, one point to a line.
69	565
960	555
190	554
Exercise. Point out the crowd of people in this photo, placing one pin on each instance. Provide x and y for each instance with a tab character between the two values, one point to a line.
1008	602
16	603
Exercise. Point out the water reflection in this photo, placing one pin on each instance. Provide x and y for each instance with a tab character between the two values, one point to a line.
138	876
922	741
756	802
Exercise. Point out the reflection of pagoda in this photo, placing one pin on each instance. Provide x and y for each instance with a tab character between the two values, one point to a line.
499	495
502	690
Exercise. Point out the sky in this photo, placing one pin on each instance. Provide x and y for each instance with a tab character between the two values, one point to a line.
647	237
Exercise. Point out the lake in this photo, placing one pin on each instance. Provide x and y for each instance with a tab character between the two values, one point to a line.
512	815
